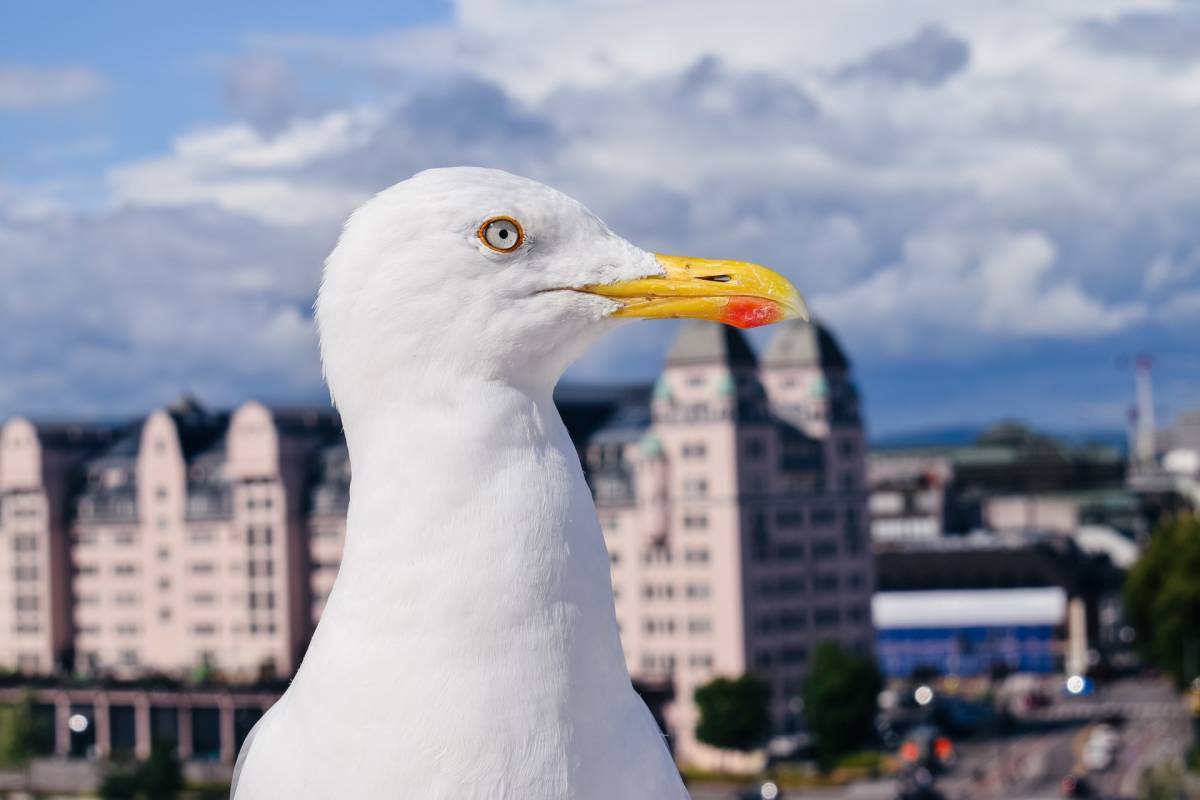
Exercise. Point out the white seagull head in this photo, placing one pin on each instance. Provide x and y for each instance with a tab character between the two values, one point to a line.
476	271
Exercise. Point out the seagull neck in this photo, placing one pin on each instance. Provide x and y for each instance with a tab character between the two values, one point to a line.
470	526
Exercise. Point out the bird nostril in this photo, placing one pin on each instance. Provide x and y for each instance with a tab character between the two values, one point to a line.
717	278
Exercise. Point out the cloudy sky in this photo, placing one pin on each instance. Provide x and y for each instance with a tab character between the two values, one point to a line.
993	205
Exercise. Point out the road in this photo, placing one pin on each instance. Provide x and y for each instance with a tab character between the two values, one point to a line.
1030	763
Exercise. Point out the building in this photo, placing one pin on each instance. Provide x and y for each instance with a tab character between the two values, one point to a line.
734	508
970	632
177	543
191	542
39	465
1016	601
1009	477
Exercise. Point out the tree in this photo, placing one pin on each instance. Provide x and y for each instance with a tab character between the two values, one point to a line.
733	712
840	697
18	734
1162	598
159	778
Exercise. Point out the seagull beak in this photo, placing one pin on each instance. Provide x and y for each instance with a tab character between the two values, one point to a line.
734	292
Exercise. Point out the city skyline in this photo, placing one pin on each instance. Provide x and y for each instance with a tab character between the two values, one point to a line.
989	205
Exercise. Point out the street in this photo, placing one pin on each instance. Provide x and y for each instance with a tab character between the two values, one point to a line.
1030	764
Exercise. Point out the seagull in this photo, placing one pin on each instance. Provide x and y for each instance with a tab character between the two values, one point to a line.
470	648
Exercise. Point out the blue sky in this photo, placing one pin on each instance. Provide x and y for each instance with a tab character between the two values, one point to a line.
993	207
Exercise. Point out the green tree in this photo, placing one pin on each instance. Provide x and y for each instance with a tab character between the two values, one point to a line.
158	778
733	712
1162	598
18	734
840	697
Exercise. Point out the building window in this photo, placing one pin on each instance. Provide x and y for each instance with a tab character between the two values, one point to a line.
695	521
694	450
695	487
25	544
823	515
700	661
129	658
754	449
827	617
824	548
30	573
826	582
794	655
204	629
760	537
126	599
127	629
26	603
125	569
697	591
790	551
202	567
696	556
700	625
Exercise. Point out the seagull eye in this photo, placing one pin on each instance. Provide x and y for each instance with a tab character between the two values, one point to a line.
502	234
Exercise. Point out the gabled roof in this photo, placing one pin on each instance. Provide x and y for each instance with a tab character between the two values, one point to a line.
701	342
805	344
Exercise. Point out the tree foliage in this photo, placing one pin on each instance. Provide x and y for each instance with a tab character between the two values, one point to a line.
840	697
1162	598
18	734
158	778
734	712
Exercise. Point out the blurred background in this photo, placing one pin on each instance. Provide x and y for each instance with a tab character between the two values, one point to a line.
992	210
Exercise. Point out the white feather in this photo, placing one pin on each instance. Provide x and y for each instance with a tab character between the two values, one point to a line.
469	648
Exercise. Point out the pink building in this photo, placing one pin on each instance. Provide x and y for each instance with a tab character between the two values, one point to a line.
734	508
190	544
38	465
732	498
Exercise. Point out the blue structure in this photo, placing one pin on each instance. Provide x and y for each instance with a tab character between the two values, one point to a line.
971	632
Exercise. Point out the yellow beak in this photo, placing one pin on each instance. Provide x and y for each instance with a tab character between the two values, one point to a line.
734	292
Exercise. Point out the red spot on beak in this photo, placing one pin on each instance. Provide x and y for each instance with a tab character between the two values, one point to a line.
750	312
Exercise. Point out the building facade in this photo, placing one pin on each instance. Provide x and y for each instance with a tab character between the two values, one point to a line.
734	509
732	496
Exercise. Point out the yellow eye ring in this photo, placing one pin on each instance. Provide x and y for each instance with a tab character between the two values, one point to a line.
501	234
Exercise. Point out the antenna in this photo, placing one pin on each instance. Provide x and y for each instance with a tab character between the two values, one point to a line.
1145	437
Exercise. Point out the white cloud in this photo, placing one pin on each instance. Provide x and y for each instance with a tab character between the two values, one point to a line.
23	88
938	176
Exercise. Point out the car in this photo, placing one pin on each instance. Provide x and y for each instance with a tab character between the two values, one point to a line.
1096	756
767	790
1075	786
1106	735
927	747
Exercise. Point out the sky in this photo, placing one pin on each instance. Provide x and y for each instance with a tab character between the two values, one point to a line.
993	206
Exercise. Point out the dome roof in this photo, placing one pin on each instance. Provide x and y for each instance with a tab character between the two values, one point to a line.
804	344
703	342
